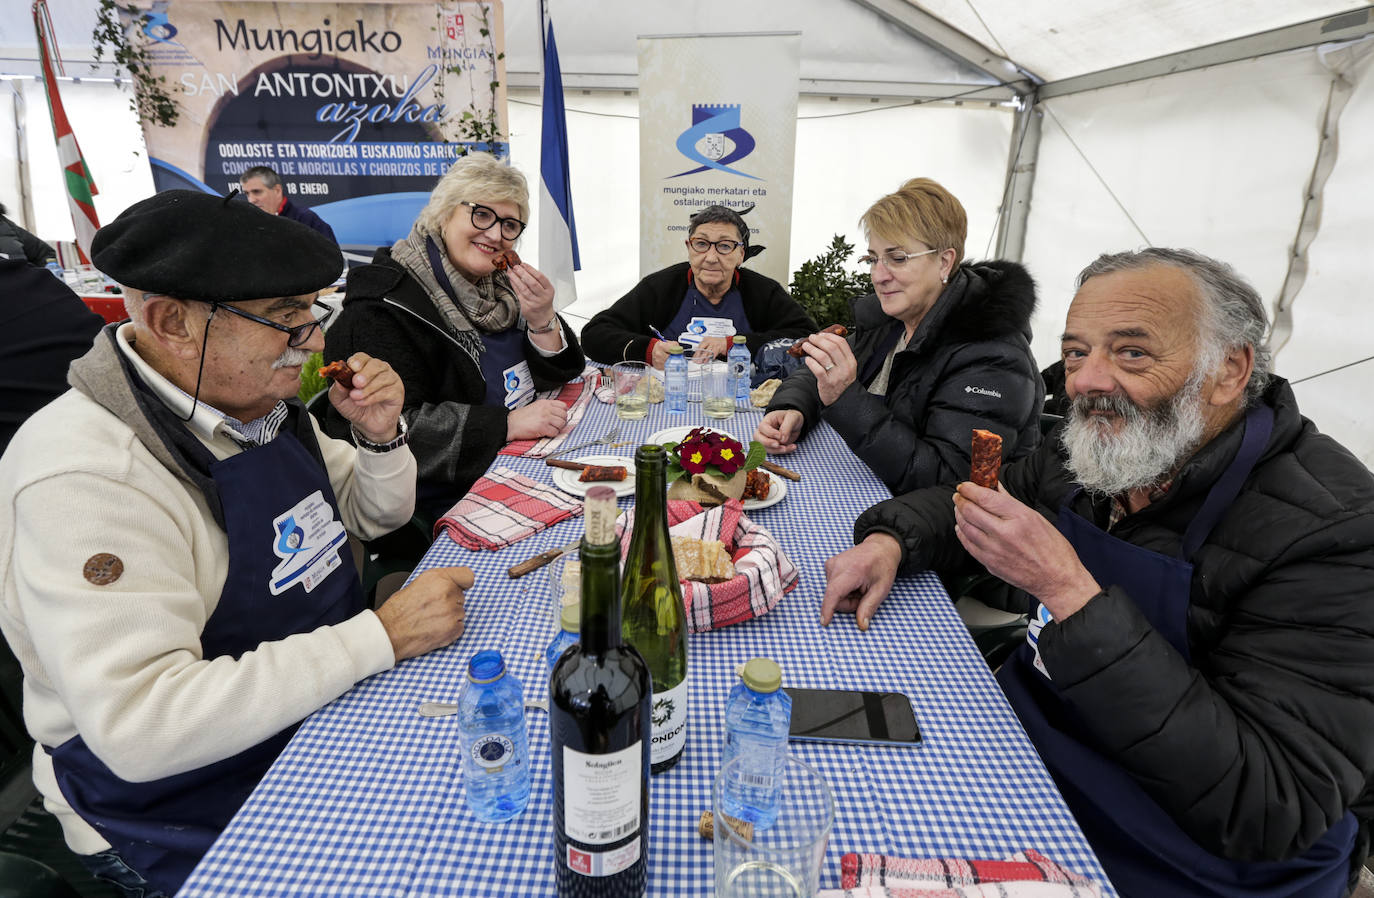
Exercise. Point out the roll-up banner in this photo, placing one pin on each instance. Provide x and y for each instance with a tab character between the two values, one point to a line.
359	107
717	125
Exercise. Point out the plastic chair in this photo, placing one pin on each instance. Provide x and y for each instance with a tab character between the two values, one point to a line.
24	877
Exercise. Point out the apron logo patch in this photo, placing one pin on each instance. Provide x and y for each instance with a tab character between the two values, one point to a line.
306	538
519	384
102	569
1033	627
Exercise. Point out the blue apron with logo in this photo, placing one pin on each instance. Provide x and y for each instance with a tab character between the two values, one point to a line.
1145	853
505	372
695	305
290	571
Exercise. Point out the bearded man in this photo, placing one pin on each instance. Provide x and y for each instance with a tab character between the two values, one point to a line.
1199	565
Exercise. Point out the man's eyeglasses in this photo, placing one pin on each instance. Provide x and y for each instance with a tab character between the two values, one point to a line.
298	335
723	247
894	259
483	218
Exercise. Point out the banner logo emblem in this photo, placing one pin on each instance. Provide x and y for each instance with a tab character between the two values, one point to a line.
715	140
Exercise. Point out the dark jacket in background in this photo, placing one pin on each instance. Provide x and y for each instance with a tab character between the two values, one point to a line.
43	327
308	218
1264	741
621	333
968	365
387	314
17	243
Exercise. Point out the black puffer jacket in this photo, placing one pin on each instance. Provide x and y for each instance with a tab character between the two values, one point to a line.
1265	741
968	365
453	434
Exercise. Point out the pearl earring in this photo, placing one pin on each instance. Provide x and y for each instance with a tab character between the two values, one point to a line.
945	279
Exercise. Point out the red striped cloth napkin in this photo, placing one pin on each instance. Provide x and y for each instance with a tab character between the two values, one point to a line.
762	572
576	395
505	507
1026	874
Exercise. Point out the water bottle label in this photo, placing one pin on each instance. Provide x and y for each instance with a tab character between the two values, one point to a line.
601	796
603	863
670	723
492	751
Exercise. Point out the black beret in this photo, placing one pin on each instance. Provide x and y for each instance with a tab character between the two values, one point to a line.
195	245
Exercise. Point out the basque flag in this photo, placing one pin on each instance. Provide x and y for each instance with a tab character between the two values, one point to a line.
558	256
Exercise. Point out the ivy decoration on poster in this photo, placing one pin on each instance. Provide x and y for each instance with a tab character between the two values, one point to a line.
128	48
478	123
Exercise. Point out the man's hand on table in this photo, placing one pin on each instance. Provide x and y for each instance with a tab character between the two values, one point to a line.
1018	545
541	418
778	431
427	614
858	579
373	405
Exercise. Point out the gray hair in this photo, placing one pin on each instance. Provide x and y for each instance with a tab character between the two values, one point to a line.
1232	311
722	214
474	178
269	176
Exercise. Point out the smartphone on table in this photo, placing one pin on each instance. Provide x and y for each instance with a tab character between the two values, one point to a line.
842	715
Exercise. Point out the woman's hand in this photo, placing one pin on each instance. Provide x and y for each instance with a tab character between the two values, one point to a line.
712	348
534	292
832	361
778	431
661	353
541	418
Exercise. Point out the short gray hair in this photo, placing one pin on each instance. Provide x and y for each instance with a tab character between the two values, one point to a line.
722	214
269	176
1233	313
474	178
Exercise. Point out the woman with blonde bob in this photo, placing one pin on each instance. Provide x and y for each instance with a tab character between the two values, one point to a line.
939	348
472	339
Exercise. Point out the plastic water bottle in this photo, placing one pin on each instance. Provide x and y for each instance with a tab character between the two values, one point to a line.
491	725
55	269
757	716
570	627
740	360
675	381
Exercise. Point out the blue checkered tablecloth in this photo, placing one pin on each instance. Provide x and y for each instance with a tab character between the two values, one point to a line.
367	800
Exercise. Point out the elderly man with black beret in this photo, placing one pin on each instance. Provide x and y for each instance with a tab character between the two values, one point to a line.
174	573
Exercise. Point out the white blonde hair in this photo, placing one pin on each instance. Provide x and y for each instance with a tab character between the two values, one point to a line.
474	178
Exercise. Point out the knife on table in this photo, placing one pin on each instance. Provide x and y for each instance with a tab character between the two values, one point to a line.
543	558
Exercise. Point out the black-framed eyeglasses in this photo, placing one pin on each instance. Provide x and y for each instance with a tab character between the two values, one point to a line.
894	259
723	247
483	218
298	335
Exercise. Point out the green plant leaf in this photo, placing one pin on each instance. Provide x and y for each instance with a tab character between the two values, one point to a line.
756	455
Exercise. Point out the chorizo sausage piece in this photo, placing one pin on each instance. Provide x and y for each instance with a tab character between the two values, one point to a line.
506	260
987	458
603	473
798	349
340	373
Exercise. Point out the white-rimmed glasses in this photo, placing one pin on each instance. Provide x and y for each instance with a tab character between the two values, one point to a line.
893	259
483	218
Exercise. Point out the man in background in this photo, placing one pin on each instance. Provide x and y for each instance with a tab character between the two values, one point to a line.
262	185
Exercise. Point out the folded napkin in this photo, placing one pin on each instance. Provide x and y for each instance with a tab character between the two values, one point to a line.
762	572
505	507
1026	874
576	395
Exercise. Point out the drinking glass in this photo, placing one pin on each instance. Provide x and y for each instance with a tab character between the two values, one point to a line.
694	373
565	585
717	390
631	390
784	860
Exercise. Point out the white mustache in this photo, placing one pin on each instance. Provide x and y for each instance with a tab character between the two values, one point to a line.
291	358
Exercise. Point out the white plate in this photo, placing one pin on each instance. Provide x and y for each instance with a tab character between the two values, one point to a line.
675	434
567	481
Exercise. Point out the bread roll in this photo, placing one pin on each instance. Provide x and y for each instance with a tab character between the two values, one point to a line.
704	560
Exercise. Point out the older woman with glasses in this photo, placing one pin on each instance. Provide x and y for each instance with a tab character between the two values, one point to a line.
709	285
939	348
472	334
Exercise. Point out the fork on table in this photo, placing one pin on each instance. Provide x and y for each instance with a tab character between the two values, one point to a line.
606	438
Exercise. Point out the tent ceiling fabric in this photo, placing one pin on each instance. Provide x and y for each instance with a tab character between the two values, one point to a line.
1056	40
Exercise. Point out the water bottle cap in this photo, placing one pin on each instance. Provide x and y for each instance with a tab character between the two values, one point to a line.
739	338
486	667
674	350
571	617
762	675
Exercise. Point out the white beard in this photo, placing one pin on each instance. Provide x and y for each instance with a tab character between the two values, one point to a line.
291	358
1152	443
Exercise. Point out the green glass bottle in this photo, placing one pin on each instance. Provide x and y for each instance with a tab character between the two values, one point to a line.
655	621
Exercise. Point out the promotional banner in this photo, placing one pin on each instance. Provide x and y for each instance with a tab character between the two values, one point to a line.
717	125
359	107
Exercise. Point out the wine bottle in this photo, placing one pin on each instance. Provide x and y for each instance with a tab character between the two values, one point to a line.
599	728
655	619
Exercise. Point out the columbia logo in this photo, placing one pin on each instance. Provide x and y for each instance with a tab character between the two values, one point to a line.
981	391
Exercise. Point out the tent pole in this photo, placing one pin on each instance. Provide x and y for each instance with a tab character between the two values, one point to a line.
1020	180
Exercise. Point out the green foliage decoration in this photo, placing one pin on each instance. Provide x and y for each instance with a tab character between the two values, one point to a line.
825	288
151	101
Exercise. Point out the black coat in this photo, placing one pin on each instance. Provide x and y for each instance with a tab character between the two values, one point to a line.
454	436
1261	744
968	365
621	333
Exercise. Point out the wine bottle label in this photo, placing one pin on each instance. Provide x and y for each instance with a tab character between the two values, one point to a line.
670	722
601	796
603	863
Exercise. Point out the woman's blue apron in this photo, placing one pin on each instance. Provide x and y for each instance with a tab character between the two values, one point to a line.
1145	853
290	571
695	305
505	373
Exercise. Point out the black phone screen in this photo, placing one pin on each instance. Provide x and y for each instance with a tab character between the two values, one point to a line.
838	715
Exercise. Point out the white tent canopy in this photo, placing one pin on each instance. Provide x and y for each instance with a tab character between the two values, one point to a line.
1243	129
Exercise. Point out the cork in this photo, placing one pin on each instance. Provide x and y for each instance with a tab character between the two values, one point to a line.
706	826
599	514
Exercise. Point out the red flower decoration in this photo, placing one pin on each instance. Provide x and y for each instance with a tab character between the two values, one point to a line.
703	448
729	458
